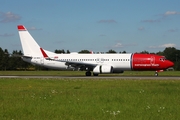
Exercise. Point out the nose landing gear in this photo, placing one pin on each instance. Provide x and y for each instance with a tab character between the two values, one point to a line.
156	74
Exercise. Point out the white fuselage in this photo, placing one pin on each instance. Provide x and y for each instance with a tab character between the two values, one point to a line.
117	61
98	63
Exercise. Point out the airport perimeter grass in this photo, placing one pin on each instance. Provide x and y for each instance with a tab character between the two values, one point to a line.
89	99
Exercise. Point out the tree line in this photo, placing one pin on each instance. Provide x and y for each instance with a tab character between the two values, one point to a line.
13	61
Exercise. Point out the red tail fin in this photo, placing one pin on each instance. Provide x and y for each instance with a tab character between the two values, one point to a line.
21	28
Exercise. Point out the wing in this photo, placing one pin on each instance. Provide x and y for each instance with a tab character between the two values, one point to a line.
75	64
80	65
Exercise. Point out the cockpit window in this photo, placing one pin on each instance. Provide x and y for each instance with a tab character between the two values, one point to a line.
162	59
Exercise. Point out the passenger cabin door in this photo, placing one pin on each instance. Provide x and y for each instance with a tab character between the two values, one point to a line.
42	60
152	61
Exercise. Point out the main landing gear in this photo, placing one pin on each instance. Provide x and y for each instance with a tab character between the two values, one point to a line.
88	73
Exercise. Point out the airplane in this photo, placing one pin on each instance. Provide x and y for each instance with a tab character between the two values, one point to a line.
91	63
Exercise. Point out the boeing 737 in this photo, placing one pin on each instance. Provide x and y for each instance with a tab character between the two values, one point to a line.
91	63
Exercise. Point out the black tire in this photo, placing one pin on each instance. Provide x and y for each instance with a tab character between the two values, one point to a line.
88	73
156	74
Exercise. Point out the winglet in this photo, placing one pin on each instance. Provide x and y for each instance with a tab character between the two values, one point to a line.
44	54
21	28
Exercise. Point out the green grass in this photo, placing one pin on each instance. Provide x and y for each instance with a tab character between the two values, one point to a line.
82	73
89	99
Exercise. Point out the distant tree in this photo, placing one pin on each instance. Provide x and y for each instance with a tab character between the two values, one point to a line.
1	58
68	52
22	64
4	55
111	51
124	51
15	60
59	51
170	53
84	51
160	53
144	52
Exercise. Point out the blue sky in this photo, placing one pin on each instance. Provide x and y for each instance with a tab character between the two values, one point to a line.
97	25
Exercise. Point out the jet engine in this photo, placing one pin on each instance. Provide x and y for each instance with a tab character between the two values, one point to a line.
103	69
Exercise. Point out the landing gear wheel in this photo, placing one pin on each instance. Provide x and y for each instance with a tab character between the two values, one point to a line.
95	74
156	74
88	73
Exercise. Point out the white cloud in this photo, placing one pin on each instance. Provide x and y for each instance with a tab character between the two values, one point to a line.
168	45
151	21
171	13
164	45
173	30
34	28
141	28
118	45
6	35
162	17
9	17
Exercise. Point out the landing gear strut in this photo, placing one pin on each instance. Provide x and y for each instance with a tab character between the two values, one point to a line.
156	74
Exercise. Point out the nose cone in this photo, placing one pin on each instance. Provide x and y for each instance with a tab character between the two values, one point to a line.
170	64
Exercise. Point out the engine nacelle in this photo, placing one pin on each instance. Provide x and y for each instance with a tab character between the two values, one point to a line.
103	69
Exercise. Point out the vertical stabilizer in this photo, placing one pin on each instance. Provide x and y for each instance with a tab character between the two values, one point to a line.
29	45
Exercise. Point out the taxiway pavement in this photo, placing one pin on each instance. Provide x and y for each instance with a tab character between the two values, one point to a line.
100	77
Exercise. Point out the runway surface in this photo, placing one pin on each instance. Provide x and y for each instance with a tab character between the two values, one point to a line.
99	77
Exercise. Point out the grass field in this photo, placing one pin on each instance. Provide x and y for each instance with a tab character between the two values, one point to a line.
89	99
